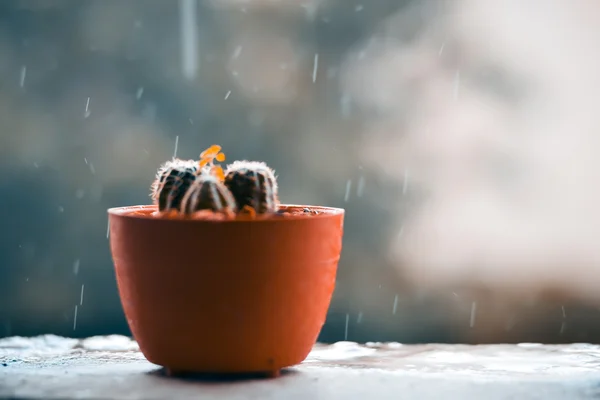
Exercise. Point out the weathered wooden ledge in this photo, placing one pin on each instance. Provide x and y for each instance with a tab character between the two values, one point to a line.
111	367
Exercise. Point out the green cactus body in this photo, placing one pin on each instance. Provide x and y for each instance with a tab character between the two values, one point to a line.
253	184
172	181
207	193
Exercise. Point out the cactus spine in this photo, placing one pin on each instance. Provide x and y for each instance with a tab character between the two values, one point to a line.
207	193
252	184
172	181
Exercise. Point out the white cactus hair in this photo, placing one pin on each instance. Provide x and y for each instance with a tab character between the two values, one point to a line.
175	163
258	166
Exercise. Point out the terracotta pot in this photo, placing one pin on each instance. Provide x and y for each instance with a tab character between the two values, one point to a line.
237	296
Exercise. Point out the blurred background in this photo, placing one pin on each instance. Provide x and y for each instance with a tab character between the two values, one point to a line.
460	136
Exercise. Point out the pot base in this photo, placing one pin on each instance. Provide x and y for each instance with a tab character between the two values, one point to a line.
173	373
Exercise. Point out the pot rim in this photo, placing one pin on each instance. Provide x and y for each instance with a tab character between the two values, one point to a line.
129	213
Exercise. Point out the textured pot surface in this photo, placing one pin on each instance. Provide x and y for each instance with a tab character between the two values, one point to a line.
225	296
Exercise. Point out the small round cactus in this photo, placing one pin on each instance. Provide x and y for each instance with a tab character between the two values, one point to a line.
253	184
207	193
172	181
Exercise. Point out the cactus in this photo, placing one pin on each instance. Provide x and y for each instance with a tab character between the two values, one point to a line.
172	181
252	184
207	193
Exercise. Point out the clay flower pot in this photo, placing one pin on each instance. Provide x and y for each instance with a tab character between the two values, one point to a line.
226	296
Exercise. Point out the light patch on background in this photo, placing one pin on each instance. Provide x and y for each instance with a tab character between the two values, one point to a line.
500	131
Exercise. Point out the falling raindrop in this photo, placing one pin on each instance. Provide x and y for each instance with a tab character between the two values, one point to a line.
332	72
189	38
395	305
345	106
360	186
456	84
107	228
227	95
237	52
315	67
348	187
75	319
346	330
87	112
23	74
76	267
359	8
81	297
139	92
473	314
176	145
510	323
359	317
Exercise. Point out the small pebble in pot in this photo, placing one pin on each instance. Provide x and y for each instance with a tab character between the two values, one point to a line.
306	210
